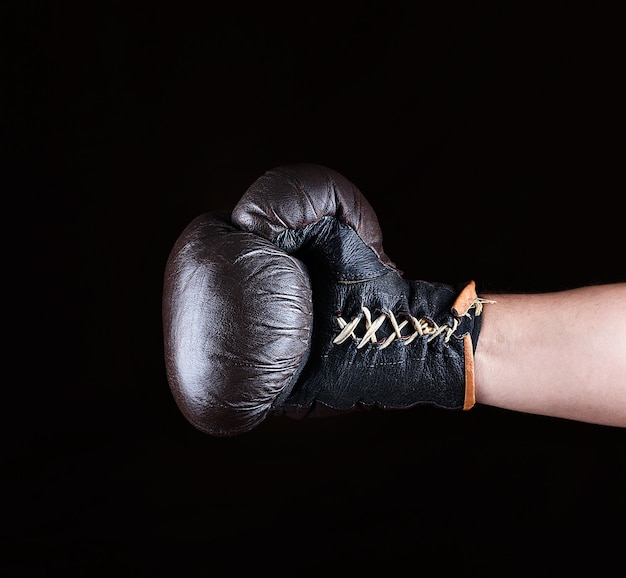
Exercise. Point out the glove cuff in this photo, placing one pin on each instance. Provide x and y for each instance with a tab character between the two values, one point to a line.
451	315
415	348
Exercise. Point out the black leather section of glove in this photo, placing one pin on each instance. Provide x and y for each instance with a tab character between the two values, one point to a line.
346	275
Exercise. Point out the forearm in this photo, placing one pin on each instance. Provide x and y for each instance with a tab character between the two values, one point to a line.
560	354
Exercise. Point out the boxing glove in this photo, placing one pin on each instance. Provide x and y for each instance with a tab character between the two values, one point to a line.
323	321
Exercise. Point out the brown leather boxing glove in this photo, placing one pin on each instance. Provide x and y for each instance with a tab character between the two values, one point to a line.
291	305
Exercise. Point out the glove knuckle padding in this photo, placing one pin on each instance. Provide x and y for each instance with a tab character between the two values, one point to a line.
291	197
237	315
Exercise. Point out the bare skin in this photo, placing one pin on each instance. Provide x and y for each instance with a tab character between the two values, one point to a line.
560	354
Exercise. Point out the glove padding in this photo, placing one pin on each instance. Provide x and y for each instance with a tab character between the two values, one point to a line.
292	306
237	318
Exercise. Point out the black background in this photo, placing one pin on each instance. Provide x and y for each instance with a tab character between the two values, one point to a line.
491	146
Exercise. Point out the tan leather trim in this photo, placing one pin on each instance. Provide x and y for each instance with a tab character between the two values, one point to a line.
470	386
465	299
